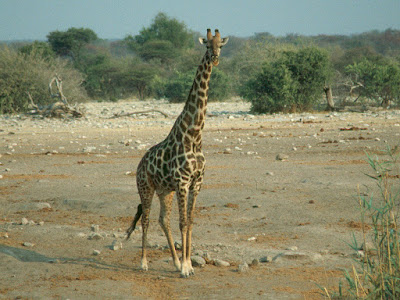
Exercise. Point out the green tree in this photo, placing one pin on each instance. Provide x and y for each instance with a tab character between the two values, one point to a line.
161	50
102	76
42	49
164	39
379	81
292	82
139	76
178	86
271	90
70	43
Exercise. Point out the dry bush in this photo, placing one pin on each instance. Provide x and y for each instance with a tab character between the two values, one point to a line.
22	73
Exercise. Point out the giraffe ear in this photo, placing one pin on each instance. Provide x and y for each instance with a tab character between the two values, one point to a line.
202	40
224	41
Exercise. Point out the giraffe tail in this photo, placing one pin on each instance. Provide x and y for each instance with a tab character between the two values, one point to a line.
135	220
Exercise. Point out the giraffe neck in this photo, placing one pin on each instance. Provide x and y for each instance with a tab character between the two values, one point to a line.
190	122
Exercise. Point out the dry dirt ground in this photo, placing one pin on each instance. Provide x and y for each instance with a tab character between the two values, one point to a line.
65	176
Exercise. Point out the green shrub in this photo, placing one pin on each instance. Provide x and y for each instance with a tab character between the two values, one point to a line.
379	81
178	87
294	81
22	73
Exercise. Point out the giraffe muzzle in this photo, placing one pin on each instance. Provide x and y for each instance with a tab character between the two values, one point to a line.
215	60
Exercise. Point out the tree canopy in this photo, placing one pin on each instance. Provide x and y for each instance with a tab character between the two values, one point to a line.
70	42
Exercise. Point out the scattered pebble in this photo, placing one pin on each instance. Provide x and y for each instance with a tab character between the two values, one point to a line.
88	149
178	246
27	244
282	157
96	252
221	263
292	248
116	245
255	262
42	205
266	259
24	221
95	236
228	151
243	268
95	228
198	261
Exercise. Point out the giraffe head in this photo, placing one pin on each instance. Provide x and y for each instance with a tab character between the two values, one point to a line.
214	45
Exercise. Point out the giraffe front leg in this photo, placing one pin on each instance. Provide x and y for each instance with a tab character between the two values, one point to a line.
182	204
191	206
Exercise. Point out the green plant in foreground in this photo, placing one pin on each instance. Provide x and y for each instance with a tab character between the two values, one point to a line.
377	274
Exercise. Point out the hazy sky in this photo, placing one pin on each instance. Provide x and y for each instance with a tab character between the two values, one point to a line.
34	19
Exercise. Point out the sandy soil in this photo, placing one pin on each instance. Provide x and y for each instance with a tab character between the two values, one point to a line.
63	176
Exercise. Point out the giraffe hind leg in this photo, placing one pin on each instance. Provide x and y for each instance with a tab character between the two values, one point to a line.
146	193
165	211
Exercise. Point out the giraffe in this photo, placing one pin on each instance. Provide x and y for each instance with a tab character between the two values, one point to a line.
176	165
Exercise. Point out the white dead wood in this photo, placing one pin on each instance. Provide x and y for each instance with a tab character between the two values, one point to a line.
139	112
59	109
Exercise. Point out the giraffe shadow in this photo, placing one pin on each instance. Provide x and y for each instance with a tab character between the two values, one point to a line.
25	255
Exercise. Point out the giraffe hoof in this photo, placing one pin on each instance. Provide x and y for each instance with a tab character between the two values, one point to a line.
144	266
186	275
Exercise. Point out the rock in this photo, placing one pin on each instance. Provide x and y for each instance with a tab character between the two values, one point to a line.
95	236
244	267
178	246
221	263
270	173
88	149
27	244
266	259
116	245
95	228
227	151
282	157
81	235
24	221
43	205
207	257
316	257
324	252
96	252
198	261
292	248
255	262
41	223
253	238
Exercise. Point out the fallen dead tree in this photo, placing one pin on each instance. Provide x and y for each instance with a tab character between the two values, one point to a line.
139	112
59	109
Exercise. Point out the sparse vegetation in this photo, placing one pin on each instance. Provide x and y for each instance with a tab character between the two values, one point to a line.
21	73
376	275
275	74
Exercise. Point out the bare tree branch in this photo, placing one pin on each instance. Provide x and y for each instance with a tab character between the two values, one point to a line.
139	112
